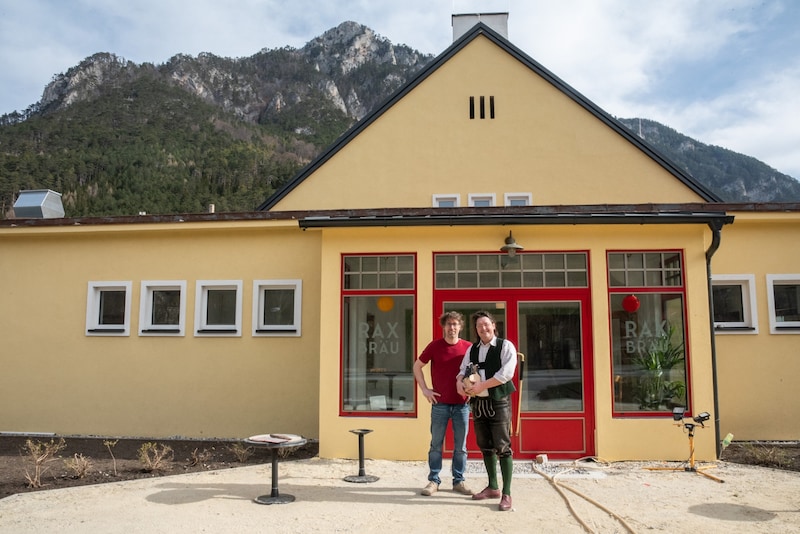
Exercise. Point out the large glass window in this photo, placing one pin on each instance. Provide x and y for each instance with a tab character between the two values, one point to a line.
648	333
378	324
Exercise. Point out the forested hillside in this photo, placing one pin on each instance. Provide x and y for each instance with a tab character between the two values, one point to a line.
146	146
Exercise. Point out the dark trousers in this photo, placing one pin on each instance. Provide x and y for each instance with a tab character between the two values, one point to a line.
492	422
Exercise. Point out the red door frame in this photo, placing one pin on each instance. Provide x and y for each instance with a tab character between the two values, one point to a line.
560	435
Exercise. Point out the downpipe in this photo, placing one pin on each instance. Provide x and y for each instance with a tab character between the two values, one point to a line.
716	230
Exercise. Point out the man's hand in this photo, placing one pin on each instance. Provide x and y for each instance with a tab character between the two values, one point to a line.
431	395
474	388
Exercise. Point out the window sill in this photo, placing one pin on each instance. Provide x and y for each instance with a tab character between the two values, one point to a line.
218	331
735	329
277	331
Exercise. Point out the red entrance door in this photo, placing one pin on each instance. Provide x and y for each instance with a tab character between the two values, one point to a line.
553	408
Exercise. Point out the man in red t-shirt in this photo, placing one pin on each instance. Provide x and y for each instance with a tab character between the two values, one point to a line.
445	355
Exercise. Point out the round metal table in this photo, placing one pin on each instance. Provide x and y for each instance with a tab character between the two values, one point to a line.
275	442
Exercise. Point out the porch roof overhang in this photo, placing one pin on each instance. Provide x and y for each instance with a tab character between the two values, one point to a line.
525	215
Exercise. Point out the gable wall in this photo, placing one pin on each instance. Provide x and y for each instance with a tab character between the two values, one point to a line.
541	141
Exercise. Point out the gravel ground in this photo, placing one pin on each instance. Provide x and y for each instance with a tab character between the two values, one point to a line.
602	498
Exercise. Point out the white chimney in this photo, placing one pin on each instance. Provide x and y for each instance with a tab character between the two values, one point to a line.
463	22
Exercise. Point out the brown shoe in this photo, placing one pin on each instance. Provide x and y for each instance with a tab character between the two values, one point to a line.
487	493
505	503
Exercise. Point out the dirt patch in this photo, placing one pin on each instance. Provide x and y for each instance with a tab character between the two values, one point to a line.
115	460
778	455
190	456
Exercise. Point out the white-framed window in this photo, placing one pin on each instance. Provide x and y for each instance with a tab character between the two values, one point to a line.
108	309
783	297
518	199
162	308
735	310
446	201
218	308
276	307
481	200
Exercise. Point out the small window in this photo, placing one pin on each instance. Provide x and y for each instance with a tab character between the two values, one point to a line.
482	200
276	307
446	201
734	304
783	294
162	309
108	309
218	308
518	199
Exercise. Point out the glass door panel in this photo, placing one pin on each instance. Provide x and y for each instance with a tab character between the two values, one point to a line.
550	338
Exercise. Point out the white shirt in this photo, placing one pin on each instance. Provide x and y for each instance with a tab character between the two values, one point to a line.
508	362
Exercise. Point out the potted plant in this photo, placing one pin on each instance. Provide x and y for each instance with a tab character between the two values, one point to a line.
655	387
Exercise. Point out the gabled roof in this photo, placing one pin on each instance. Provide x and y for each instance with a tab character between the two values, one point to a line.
482	29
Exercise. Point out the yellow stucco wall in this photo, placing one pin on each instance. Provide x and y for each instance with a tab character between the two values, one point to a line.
616	439
56	379
758	372
540	142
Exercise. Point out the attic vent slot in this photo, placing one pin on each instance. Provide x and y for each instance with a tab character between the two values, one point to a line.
481	107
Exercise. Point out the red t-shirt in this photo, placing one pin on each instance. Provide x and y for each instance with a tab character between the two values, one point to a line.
445	360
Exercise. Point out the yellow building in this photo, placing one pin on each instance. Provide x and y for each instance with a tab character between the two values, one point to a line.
306	316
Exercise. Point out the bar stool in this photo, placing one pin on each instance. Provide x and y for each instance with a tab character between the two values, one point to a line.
362	475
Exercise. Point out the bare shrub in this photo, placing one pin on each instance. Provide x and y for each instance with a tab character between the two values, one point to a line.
79	465
110	445
199	457
241	451
768	455
155	457
285	452
37	457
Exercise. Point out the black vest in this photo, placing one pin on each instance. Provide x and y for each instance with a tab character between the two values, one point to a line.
490	368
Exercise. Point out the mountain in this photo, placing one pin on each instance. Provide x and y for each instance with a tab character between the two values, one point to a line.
120	138
732	176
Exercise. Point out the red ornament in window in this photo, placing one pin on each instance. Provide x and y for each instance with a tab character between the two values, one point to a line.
630	303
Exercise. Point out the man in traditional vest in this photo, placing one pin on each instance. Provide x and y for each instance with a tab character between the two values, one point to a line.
496	360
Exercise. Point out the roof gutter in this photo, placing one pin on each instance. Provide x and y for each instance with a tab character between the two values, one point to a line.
345	221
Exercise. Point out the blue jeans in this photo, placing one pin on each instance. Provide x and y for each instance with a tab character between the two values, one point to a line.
440	415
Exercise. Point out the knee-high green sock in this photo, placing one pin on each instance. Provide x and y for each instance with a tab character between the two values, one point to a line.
490	461
507	469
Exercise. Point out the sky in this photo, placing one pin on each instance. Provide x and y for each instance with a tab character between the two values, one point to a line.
726	73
